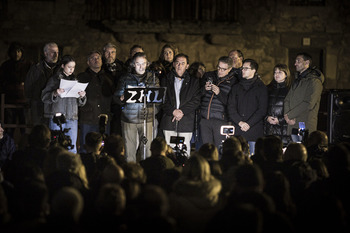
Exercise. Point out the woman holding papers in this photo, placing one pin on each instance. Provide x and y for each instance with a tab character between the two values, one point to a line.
61	95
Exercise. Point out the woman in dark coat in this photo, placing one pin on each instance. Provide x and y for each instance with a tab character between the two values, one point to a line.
275	123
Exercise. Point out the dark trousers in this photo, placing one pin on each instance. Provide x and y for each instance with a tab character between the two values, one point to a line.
210	131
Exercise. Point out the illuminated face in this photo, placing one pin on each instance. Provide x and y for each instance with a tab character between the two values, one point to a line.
180	65
68	68
247	71
140	65
300	64
95	61
223	69
110	55
51	54
279	75
168	55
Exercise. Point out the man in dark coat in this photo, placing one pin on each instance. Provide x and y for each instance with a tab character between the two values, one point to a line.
214	100
303	99
36	80
247	104
99	93
181	101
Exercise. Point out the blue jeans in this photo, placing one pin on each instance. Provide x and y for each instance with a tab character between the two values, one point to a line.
72	133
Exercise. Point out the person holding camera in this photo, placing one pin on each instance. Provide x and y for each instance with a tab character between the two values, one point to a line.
135	115
68	106
214	100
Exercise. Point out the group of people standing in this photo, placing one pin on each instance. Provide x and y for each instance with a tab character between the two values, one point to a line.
195	100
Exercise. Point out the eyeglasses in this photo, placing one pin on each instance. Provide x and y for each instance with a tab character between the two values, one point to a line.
221	69
246	68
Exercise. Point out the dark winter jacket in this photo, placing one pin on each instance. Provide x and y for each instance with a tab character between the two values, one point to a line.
303	99
37	78
277	93
55	104
189	102
248	103
99	95
214	106
7	148
133	112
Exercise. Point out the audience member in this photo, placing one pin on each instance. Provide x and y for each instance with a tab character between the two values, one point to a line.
7	147
195	197
114	146
150	212
317	145
66	210
36	80
93	145
155	165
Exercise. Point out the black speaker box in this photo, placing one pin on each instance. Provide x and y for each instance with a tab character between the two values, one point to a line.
338	122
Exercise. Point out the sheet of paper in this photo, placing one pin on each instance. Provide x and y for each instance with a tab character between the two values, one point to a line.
71	88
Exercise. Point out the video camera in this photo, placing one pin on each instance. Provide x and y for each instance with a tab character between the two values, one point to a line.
59	136
180	150
301	134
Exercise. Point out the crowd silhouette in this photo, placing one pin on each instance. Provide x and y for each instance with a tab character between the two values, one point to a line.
48	188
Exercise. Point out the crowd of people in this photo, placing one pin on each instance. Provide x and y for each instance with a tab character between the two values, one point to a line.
134	165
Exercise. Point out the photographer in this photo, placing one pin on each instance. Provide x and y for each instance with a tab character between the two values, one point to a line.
53	103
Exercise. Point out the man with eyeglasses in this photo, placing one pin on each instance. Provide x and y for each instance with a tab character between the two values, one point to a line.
214	100
247	104
181	101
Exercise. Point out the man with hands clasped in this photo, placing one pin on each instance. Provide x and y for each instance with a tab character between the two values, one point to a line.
181	101
247	104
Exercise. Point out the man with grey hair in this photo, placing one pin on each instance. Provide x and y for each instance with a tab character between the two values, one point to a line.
114	68
36	81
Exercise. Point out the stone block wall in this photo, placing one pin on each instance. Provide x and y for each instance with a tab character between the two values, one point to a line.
265	31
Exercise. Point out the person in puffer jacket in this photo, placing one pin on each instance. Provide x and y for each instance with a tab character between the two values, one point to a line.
214	100
275	123
134	114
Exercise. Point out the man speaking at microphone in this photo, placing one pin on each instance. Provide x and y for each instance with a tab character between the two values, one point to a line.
181	101
136	115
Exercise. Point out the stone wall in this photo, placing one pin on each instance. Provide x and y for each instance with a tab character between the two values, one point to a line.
266	30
